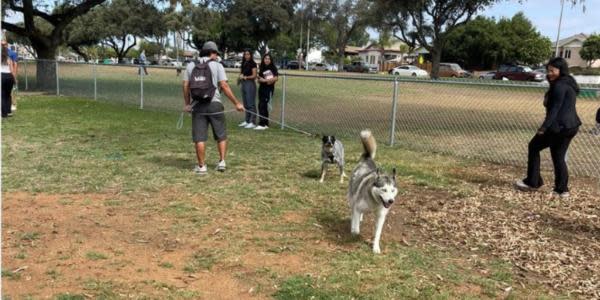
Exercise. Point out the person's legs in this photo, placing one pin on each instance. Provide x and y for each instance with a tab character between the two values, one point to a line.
558	151
250	101
7	85
537	144
201	153
263	108
217	122
222	146
246	99
200	134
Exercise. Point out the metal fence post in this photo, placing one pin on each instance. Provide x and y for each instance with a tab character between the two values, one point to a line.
26	83
394	108
57	80
94	66
141	88
283	102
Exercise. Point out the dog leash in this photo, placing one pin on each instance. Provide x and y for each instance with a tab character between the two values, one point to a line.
180	121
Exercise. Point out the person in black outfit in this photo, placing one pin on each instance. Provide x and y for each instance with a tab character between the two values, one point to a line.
598	122
8	81
559	128
267	77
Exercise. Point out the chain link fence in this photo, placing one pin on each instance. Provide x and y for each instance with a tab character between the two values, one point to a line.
481	119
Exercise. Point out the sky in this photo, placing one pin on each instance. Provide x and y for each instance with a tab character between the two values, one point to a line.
544	14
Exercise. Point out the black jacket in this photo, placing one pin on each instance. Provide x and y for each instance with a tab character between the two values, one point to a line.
598	116
561	113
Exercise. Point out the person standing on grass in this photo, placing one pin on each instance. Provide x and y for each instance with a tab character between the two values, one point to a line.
143	62
267	77
8	81
211	111
14	58
558	129
247	77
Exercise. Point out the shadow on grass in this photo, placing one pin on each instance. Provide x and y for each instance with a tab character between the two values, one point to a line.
336	227
172	162
312	174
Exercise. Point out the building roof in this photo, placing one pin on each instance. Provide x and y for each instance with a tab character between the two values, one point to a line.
580	36
352	49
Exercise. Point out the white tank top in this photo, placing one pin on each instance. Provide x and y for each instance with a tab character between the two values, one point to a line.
5	68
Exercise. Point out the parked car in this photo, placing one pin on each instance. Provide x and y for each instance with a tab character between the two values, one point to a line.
487	75
357	66
318	67
230	63
409	70
453	70
293	65
516	72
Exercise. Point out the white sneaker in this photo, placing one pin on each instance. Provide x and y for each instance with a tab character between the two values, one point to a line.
250	126
13	107
221	166
563	195
200	170
520	185
243	124
261	127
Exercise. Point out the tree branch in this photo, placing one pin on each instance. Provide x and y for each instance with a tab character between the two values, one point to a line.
14	28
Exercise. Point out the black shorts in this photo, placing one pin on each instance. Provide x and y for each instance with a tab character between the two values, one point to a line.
204	114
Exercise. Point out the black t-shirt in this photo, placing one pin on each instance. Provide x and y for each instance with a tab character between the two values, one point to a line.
247	67
268	72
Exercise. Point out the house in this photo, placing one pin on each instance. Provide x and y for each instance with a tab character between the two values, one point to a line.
568	48
375	55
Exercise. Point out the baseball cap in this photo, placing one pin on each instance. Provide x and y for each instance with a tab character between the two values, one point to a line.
210	46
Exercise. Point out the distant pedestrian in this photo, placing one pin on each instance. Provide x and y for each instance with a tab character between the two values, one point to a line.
248	76
598	122
267	77
143	62
556	132
14	58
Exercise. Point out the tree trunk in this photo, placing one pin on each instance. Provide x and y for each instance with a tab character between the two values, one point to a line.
436	57
46	69
341	52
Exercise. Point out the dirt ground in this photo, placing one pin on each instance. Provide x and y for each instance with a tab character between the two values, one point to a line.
93	245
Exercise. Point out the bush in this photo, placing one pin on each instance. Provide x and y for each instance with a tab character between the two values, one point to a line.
585	71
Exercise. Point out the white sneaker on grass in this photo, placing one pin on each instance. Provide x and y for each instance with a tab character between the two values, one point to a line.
261	127
201	170
250	126
243	124
13	107
522	186
563	195
221	166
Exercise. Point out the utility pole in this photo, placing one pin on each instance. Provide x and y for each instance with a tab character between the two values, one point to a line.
307	43
562	6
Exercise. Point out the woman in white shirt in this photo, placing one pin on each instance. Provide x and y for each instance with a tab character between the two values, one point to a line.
8	81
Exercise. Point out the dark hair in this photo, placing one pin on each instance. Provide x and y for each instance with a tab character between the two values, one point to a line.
561	64
262	61
4	54
205	53
244	55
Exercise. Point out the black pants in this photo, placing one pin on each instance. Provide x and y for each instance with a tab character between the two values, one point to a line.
264	97
559	144
8	82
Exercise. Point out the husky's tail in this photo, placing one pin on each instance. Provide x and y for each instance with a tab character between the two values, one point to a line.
369	144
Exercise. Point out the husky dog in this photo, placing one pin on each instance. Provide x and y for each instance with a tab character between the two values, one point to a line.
370	190
332	152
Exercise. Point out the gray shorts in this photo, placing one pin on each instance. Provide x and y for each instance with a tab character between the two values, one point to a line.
200	122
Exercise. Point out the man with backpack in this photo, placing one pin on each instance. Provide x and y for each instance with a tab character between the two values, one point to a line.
203	82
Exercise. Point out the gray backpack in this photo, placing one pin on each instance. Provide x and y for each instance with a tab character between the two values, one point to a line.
202	88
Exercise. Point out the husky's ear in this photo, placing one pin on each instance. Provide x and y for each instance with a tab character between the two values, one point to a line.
394	173
324	138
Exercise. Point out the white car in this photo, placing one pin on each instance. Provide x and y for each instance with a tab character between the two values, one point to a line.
409	71
487	75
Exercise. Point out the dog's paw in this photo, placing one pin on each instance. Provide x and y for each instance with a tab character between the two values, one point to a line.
355	232
376	250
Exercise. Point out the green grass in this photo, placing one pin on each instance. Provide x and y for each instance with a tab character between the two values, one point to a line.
8	274
67	296
270	175
92	255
